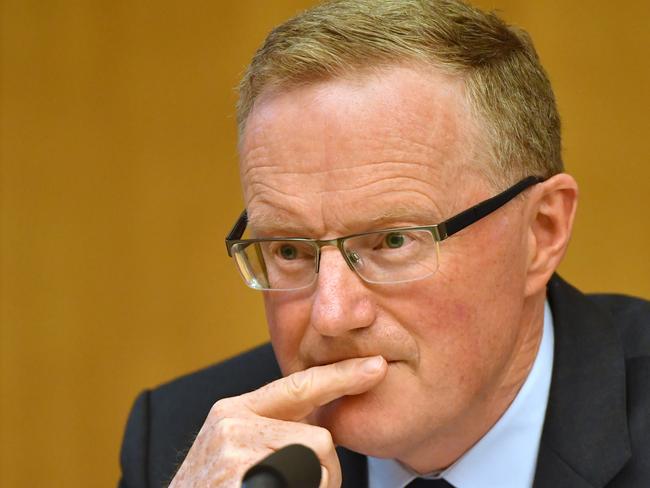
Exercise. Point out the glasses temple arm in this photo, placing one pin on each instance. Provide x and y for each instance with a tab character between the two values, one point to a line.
467	217
237	230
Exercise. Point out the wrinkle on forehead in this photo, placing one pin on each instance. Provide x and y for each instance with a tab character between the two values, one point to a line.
403	96
275	153
324	154
326	212
340	179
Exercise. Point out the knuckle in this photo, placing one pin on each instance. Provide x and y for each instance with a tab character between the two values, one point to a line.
221	408
342	369
228	428
227	456
322	439
299	384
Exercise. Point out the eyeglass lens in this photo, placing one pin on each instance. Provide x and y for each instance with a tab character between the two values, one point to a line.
378	257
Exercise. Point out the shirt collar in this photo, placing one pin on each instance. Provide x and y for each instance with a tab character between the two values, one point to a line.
506	455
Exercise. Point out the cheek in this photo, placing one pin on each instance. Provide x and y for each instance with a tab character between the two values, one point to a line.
483	273
441	320
445	325
288	321
463	318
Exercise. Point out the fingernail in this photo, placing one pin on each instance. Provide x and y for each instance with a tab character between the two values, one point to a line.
372	365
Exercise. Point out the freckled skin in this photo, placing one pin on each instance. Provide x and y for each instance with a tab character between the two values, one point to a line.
329	158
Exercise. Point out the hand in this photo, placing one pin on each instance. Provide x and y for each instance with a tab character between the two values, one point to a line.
240	431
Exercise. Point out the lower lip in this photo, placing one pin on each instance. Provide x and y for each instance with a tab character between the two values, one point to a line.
401	364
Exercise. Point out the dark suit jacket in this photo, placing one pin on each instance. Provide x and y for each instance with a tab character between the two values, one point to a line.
597	427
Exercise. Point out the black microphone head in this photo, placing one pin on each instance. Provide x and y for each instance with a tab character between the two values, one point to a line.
293	466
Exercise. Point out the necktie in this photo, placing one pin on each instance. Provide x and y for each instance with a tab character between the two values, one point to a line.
424	483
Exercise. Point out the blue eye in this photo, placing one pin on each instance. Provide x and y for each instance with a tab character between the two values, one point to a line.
394	240
288	252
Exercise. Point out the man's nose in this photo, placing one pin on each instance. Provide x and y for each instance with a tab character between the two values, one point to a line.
342	300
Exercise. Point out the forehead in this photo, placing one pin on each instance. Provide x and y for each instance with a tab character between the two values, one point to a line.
386	142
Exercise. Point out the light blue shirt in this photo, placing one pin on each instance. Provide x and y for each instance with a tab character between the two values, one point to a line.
506	456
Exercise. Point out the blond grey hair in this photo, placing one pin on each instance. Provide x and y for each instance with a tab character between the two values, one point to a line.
507	89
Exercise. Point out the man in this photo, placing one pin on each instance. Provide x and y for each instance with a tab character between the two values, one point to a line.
406	208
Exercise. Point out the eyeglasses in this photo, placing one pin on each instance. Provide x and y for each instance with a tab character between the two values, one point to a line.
394	255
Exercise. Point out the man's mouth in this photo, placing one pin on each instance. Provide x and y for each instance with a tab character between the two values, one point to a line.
328	361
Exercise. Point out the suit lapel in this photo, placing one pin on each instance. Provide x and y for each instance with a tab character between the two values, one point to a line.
585	439
354	467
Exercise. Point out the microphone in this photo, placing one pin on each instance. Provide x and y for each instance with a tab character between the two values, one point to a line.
293	466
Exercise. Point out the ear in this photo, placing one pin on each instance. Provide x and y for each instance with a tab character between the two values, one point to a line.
551	210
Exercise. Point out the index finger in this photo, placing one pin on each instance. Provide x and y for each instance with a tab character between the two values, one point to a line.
295	396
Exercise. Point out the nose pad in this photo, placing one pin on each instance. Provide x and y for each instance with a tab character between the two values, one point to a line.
354	257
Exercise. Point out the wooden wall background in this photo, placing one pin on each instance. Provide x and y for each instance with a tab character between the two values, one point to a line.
119	182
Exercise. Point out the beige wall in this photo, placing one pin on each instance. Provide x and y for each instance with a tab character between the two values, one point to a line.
119	182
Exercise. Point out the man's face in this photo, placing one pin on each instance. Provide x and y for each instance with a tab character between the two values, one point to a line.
388	149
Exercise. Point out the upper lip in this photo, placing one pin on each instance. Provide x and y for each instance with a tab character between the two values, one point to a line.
329	359
328	350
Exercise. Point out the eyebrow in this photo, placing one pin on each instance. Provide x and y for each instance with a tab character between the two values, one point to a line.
265	223
402	213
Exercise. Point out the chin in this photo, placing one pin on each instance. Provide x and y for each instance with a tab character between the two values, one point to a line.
373	423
